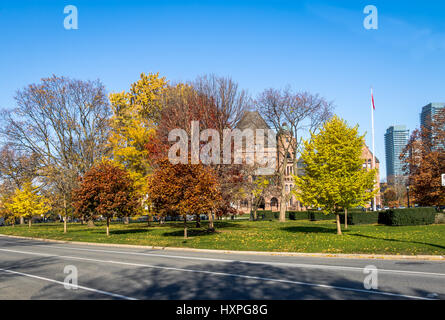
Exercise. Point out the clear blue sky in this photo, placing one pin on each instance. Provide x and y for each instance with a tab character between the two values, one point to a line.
319	46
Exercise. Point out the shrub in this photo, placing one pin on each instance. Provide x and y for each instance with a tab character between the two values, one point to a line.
319	215
268	215
298	215
408	217
360	217
440	218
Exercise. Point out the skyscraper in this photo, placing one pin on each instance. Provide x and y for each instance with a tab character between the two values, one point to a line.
396	138
427	115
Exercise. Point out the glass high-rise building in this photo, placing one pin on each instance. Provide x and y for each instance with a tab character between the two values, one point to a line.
427	115
396	138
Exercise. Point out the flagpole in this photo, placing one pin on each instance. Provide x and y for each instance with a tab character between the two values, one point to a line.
373	144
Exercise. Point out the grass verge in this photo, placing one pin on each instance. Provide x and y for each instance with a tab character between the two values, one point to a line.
291	236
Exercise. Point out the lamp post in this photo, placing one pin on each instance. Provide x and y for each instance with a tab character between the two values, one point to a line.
407	194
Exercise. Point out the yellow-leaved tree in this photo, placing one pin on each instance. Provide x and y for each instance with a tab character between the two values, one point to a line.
334	178
135	116
27	203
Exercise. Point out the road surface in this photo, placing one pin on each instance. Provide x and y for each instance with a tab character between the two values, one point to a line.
31	269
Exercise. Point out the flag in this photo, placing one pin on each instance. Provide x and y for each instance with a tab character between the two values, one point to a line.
372	98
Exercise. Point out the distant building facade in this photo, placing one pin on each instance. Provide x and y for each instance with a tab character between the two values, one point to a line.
396	138
427	115
253	120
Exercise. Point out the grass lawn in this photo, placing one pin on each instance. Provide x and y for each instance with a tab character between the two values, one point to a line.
291	236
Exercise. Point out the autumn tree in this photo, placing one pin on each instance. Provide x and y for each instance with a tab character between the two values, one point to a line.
187	103
261	187
292	115
187	189
16	168
63	122
390	197
5	212
424	159
136	114
27	203
334	177
106	190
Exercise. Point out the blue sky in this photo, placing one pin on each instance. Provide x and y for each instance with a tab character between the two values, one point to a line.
319	46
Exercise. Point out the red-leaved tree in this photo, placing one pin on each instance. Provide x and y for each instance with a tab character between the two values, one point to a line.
105	190
184	189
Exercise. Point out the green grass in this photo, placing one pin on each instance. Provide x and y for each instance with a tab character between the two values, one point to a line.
291	236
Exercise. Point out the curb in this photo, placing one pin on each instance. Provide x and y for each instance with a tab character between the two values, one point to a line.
261	253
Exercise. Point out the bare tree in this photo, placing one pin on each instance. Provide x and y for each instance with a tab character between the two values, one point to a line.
293	115
230	101
64	122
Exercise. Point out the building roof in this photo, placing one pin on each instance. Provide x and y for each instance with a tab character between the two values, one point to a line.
252	120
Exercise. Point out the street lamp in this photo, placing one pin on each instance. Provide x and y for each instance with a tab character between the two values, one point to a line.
407	194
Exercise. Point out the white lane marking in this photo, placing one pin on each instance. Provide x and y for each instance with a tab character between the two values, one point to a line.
63	284
284	264
223	274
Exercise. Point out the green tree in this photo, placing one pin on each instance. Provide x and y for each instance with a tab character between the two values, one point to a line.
334	176
26	203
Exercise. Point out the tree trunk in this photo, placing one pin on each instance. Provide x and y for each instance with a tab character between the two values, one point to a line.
346	218
337	217
29	222
283	202
150	220
22	220
255	215
126	220
108	226
211	226
66	213
198	221
185	227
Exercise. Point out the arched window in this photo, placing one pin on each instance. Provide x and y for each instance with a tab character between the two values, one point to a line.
274	202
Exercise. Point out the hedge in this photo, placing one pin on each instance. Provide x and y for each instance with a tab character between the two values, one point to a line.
360	217
407	217
298	215
319	215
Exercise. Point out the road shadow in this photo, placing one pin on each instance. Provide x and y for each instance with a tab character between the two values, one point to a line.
397	240
190	281
257	284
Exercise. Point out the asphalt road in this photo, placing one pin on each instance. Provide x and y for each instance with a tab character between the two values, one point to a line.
32	269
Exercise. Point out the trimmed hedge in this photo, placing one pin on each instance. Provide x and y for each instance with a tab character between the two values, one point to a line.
298	215
319	215
360	217
408	217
